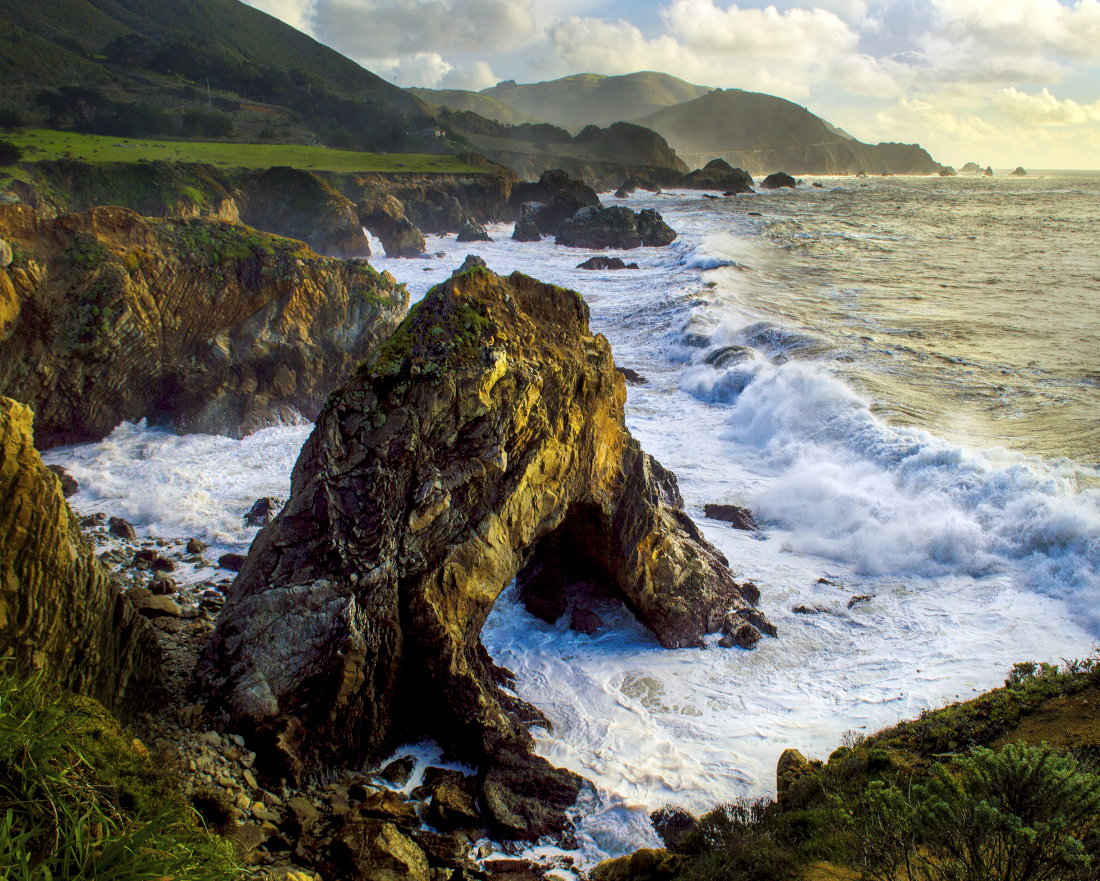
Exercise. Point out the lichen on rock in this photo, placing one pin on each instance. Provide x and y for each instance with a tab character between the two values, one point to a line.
486	436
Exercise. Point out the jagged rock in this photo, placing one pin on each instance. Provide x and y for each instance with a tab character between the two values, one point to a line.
449	850
988	171
718	175
399	770
745	636
5	254
385	217
615	227
1019	172
123	529
631	376
151	605
606	263
792	766
472	261
454	801
9	306
59	609
642	865
551	217
196	546
777	180
472	231
232	562
390	806
261	512
489	426
69	486
734	515
553	183
212	326
163	586
672	824
862	598
634	183
301	815
526	229
753	617
585	621
373	850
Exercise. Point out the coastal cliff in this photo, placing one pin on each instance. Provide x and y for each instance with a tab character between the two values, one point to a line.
205	324
60	612
484	440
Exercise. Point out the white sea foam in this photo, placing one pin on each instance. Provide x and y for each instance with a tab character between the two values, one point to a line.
974	559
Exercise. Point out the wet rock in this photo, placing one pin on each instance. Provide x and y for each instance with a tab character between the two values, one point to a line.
262	511
454	802
385	804
642	865
631	376
672	824
196	546
232	562
373	850
449	850
615	227
526	229
1019	172
719	175
69	486
122	528
472	261
152	606
606	263
385	217
163	564
472	231
163	586
745	636
585	621
755	617
728	356
734	515
862	598
526	797
399	770
60	611
778	180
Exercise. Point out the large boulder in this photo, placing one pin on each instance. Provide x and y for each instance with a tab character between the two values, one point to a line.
615	227
718	175
551	184
211	326
60	612
487	431
777	181
385	217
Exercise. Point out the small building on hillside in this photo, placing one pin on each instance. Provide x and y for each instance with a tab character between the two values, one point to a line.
433	132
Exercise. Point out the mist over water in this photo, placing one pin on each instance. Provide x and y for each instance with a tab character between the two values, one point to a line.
898	376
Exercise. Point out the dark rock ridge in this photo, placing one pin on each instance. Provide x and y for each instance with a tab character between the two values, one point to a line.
615	227
719	175
486	434
205	324
778	180
1019	172
385	217
606	263
60	611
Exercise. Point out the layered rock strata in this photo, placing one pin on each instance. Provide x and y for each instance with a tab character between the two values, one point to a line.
208	325
60	612
485	438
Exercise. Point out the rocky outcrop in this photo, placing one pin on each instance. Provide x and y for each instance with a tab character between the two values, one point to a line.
615	227
971	168
777	180
60	612
472	231
385	218
555	184
526	230
606	263
483	438
208	325
718	175
1019	172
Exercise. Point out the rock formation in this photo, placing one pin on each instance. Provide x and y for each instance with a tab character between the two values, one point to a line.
616	227
385	217
59	610
209	325
778	180
486	436
718	175
1019	172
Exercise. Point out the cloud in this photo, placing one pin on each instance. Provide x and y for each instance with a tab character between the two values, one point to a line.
369	29
474	78
1044	108
295	13
1022	27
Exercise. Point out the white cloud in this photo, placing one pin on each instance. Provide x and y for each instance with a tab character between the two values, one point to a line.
795	34
295	13
474	78
1023	27
1044	108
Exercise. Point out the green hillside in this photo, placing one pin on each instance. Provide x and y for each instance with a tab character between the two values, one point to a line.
473	102
588	98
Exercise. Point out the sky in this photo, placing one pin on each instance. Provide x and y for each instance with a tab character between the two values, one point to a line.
997	82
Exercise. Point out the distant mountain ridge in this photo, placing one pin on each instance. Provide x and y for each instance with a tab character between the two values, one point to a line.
474	102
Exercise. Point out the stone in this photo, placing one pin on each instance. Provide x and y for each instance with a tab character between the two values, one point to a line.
450	850
249	836
196	546
862	598
487	435
745	636
162	585
301	815
792	767
232	562
1019	172
384	804
778	180
606	263
472	231
454	802
585	621
69	486
152	606
398	771
472	261
249	779
672	824
615	227
190	716
163	564
5	254
642	865
262	511
734	515
373	850
122	528
631	376
526	797
60	611
385	217
174	336
719	175
526	230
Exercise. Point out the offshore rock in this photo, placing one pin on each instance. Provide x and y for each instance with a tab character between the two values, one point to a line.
60	612
718	175
472	231
209	325
488	428
777	181
385	217
526	229
616	227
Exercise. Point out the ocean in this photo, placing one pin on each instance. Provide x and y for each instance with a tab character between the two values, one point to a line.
900	377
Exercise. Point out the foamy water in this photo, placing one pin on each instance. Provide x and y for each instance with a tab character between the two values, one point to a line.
974	556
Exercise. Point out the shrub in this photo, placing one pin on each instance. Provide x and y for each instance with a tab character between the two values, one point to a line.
206	123
9	153
1021	814
10	118
736	841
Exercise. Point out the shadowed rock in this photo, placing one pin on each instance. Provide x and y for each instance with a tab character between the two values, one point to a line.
59	609
385	217
489	427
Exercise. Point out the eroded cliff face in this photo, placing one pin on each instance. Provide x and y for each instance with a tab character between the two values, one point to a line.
59	610
204	324
485	438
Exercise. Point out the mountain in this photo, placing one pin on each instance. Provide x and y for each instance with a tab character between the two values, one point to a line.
591	99
761	134
473	102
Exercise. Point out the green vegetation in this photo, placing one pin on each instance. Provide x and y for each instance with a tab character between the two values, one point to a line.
44	144
971	792
482	105
79	800
9	153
